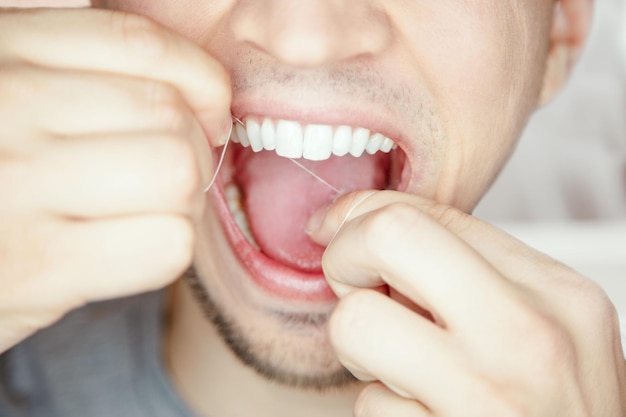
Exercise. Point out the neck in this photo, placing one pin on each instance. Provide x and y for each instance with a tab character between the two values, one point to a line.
213	382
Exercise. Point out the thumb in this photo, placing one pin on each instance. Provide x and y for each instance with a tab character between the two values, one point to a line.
326	222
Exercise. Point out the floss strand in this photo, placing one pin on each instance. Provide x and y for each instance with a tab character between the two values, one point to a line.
298	164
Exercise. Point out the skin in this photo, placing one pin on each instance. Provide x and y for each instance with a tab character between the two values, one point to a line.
455	83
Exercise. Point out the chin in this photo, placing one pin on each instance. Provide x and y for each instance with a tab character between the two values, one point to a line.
286	344
262	285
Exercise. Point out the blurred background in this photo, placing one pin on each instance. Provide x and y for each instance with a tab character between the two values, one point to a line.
564	190
571	163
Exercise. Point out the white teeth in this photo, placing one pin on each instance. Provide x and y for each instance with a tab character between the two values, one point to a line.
234	137
268	135
233	199
240	131
253	129
342	141
387	145
374	143
359	141
313	142
318	142
289	139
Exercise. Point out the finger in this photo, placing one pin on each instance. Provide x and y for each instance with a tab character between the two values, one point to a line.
75	103
117	257
376	400
107	41
414	358
401	246
507	254
70	263
108	176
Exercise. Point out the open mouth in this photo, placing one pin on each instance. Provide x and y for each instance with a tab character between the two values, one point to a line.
265	200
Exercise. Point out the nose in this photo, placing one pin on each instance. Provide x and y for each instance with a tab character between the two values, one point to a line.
311	33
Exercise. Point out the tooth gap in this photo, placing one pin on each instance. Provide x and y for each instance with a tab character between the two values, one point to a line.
238	120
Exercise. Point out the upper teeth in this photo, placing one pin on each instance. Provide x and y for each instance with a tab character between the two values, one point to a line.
314	142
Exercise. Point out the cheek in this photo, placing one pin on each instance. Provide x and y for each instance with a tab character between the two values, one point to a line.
483	65
476	60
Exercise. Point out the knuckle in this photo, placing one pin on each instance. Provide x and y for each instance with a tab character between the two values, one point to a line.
143	37
450	217
606	317
386	227
496	399
168	108
594	311
595	305
350	315
550	346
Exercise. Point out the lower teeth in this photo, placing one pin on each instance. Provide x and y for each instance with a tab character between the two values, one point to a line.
233	199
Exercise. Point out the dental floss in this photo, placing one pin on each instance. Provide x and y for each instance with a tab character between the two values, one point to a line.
238	120
221	161
317	177
307	170
349	213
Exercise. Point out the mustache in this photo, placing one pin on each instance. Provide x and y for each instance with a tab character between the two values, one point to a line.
358	80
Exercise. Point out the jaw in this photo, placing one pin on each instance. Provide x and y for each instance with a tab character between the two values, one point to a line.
277	309
283	339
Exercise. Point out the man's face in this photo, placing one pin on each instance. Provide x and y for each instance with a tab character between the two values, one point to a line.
451	83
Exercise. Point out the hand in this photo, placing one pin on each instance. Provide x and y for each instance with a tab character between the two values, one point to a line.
103	157
476	324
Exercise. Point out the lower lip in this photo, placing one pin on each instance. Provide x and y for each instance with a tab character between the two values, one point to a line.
271	276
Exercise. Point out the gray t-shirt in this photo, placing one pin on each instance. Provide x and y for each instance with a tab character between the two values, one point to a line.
103	360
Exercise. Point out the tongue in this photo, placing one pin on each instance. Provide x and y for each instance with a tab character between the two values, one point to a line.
280	197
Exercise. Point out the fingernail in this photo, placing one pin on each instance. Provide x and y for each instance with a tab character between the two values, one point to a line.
316	220
358	372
